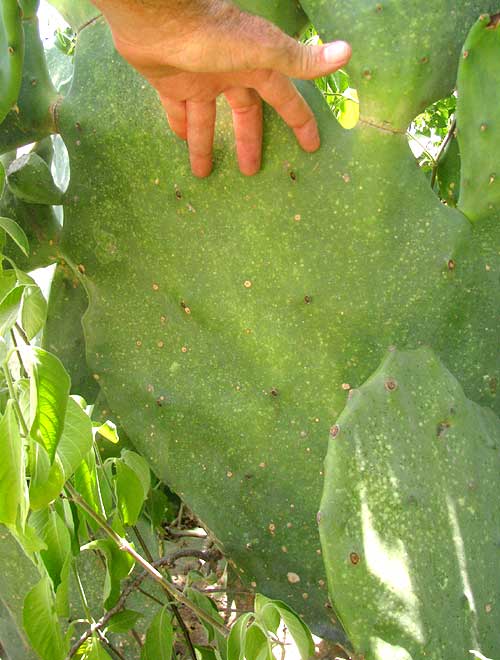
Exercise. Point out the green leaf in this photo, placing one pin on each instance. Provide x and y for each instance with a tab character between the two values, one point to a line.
237	637
267	613
129	493
8	281
9	309
297	629
123	621
108	431
53	531
206	604
34	311
118	567
206	653
140	466
86	481
62	591
96	651
159	637
256	643
157	507
16	233
41	622
47	480
12	478
76	438
50	385
4	350
349	112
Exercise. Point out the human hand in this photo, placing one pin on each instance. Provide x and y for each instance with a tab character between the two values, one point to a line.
192	51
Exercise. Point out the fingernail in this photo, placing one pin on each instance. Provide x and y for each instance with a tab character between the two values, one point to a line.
337	52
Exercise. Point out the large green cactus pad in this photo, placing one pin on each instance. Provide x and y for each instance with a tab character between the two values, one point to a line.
410	515
32	118
228	316
405	52
479	124
287	14
11	55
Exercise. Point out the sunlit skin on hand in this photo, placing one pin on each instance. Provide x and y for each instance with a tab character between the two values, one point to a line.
193	51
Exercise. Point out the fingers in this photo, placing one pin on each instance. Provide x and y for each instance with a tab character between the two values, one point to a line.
200	117
247	120
176	115
277	90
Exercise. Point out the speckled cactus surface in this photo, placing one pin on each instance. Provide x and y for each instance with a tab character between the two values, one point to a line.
228	318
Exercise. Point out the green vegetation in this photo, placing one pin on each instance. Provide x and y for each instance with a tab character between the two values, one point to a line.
204	345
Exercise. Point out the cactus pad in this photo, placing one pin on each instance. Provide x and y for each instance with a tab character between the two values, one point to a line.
410	516
11	55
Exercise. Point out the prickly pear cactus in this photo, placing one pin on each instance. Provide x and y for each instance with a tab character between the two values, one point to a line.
11	55
228	318
410	515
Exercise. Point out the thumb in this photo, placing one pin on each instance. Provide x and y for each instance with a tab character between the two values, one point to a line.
305	62
255	43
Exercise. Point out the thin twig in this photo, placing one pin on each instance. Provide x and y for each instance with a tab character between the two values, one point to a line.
186	532
17	407
24	336
192	552
150	571
22	368
173	607
137	637
110	646
180	513
441	151
148	595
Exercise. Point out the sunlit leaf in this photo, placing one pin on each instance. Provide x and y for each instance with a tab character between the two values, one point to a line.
53	531
9	309
108	431
8	281
12	479
349	116
34	311
46	478
76	438
50	386
86	481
